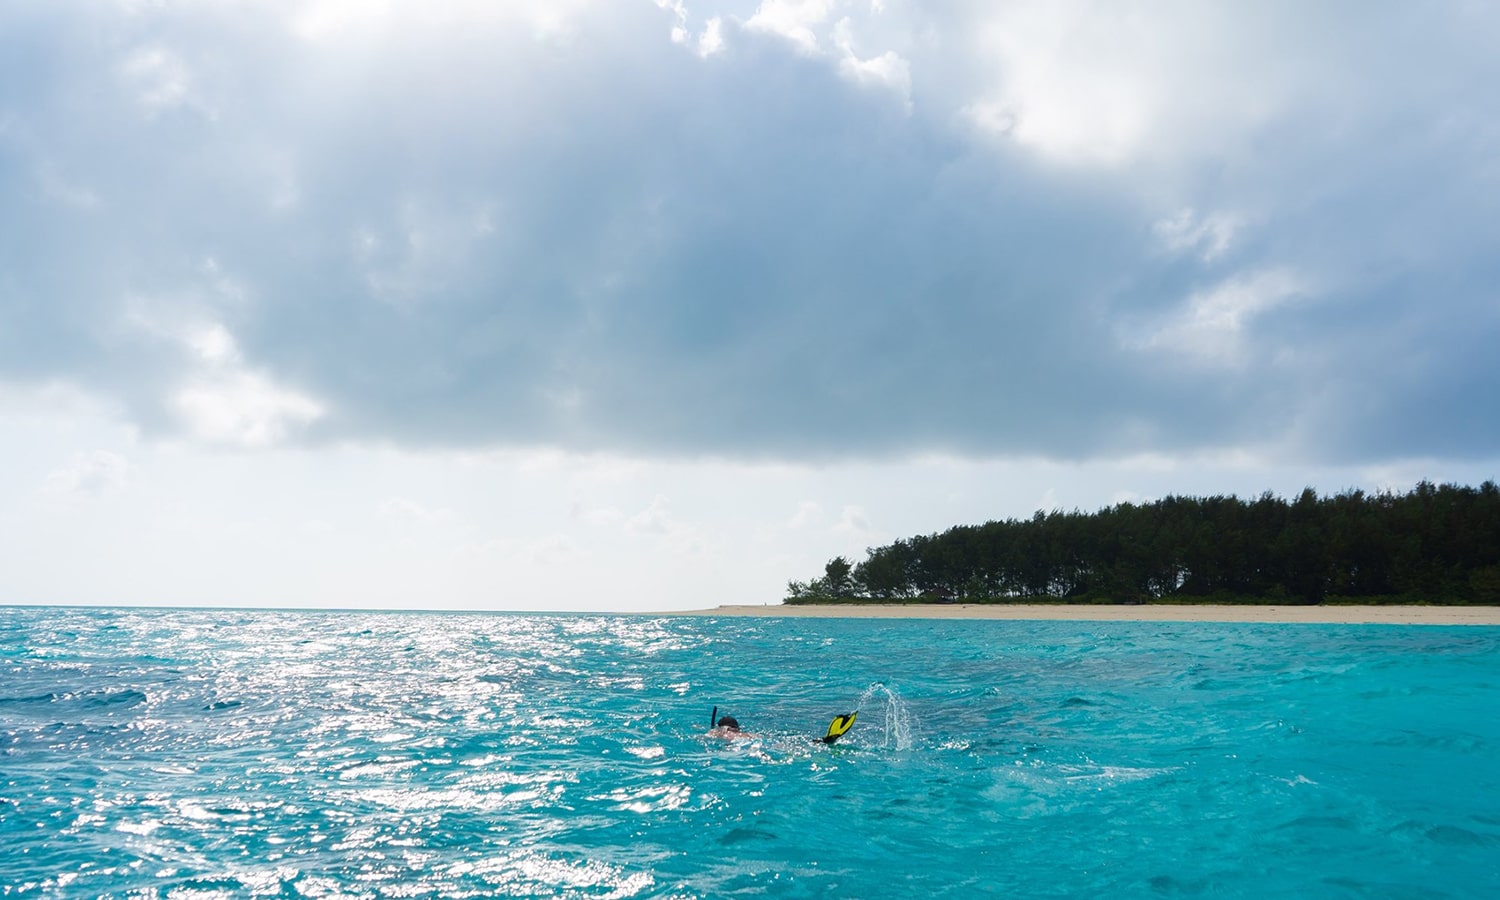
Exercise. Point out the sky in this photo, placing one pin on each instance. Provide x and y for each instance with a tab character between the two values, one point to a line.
659	304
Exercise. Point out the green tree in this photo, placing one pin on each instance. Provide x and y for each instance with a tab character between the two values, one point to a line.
836	577
1434	543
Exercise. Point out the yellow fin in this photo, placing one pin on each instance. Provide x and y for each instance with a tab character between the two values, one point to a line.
839	727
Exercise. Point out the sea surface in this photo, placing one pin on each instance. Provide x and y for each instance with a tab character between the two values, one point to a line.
183	754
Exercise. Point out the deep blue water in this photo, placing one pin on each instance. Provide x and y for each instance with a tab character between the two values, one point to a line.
208	753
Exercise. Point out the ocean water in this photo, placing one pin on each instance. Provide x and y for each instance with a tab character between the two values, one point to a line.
152	753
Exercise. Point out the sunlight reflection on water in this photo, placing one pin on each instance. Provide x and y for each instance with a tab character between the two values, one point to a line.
196	754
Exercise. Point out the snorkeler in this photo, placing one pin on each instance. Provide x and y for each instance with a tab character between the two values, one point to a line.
728	727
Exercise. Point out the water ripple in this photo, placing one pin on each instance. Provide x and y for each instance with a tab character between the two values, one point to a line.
147	753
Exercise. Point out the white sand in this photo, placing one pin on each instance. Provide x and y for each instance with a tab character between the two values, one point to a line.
1353	615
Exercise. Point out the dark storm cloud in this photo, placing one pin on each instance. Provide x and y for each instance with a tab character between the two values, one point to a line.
597	239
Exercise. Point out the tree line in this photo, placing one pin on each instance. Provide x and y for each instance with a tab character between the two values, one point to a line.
1435	544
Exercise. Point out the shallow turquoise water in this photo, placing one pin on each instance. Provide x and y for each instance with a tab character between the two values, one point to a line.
210	753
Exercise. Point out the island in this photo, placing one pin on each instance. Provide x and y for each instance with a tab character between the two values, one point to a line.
1435	545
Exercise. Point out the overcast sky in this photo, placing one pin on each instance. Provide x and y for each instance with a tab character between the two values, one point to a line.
622	304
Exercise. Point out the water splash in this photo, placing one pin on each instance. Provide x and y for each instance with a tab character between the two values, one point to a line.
896	720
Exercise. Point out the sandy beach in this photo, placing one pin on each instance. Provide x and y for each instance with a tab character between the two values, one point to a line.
1333	615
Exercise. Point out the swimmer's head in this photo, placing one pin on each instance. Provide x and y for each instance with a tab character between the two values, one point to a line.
730	723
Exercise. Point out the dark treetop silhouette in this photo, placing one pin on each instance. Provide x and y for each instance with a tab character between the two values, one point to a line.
1436	544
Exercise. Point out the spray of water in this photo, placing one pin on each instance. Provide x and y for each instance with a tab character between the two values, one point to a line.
896	719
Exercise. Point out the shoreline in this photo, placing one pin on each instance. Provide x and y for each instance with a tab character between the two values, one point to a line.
1310	615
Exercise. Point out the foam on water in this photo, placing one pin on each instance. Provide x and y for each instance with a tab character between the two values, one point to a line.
148	753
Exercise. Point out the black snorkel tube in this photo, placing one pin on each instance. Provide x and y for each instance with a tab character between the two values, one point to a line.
713	719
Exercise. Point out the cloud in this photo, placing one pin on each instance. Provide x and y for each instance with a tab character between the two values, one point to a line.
1110	85
161	79
674	537
550	554
243	409
711	41
410	512
56	185
89	474
1212	329
220	398
1208	236
654	519
822	29
808	513
214	345
887	70
778	230
853	521
794	20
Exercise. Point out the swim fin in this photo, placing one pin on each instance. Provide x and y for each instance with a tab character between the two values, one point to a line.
839	727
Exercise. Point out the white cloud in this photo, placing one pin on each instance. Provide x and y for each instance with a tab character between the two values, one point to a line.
888	70
1067	84
305	517
331	22
679	17
794	20
1111	84
599	516
89	474
285	188
409	512
553	550
1208	236
853	520
614	244
711	40
808	513
654	519
244	409
805	24
990	117
213	344
528	560
1213	325
425	251
56	185
674	537
190	317
221	398
163	82
318	20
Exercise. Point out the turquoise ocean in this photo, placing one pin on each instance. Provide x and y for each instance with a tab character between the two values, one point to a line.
186	754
